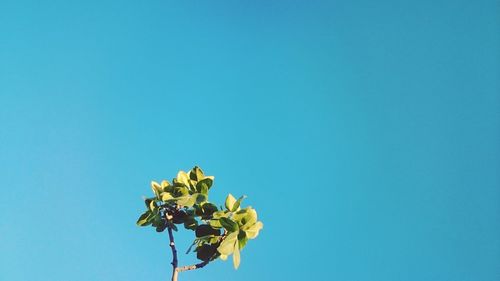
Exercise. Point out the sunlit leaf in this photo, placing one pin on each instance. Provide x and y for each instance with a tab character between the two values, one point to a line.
183	178
230	200
249	219
236	255
227	246
253	231
165	196
236	204
215	223
166	186
156	188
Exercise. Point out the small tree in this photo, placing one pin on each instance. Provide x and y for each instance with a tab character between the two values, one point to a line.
218	232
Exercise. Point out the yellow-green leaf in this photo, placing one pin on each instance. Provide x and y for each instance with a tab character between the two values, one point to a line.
236	256
230	200
165	196
183	178
253	230
164	185
157	189
236	204
249	218
227	246
153	207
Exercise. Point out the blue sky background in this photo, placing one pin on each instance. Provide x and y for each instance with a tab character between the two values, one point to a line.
366	134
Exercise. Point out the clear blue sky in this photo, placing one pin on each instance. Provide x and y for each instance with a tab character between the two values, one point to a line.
366	134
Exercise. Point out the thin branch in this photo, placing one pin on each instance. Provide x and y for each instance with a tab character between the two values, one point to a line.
172	246
174	250
192	267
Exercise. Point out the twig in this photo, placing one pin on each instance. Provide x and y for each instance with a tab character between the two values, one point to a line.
174	252
192	267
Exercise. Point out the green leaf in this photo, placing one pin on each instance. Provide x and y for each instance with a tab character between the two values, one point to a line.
230	200
205	230
183	178
236	255
236	204
157	189
242	239
215	223
161	227
253	231
166	186
186	201
204	185
165	196
174	227
207	210
180	216
200	198
220	214
190	223
144	219
180	191
248	219
205	252
227	246
147	201
153	207
196	174
229	224
156	220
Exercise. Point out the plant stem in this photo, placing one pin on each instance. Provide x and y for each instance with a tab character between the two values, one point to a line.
175	268
192	267
175	273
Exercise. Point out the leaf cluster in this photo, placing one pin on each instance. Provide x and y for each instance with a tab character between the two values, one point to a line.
219	232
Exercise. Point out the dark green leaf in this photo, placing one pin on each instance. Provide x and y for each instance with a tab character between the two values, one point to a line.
196	174
144	219
161	227
207	210
228	224
205	230
180	191
242	239
204	185
190	223
206	252
200	198
179	217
